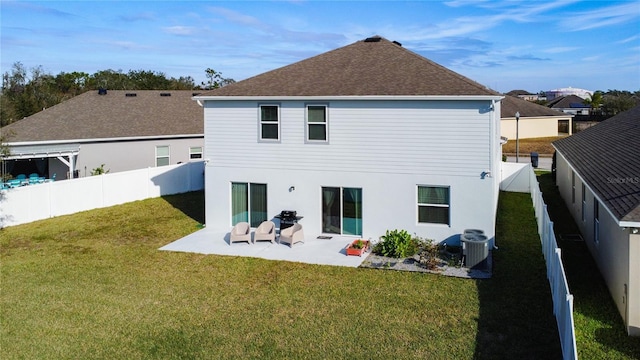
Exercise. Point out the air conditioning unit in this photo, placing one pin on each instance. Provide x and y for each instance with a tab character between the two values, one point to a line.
475	249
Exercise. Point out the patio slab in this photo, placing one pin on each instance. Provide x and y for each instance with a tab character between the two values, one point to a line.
312	251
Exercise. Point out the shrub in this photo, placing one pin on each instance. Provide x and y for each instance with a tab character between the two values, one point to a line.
398	244
429	254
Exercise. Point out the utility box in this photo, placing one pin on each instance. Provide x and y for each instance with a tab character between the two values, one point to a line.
534	159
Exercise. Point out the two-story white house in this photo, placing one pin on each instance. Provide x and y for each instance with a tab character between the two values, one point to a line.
359	140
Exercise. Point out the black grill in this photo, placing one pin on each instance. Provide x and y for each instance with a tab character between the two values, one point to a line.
287	218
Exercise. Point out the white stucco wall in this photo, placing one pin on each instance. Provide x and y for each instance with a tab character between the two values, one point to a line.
386	148
531	127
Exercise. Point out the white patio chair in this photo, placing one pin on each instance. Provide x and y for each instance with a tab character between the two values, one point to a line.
292	235
265	232
240	232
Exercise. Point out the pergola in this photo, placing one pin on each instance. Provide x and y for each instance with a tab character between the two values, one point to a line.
66	153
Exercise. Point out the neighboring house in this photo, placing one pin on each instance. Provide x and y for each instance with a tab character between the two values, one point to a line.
598	175
525	95
570	104
124	130
359	140
535	120
556	93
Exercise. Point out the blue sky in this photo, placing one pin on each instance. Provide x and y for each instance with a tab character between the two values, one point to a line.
505	45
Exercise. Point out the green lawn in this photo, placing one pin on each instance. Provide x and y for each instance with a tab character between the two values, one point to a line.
94	285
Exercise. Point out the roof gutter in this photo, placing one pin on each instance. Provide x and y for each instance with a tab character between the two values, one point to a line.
353	97
98	140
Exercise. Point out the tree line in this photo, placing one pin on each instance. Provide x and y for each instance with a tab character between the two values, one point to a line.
612	102
25	93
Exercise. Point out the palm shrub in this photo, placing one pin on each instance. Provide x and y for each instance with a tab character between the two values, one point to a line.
397	243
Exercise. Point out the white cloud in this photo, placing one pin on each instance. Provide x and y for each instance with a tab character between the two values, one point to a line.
560	49
502	12
607	16
179	30
629	39
591	58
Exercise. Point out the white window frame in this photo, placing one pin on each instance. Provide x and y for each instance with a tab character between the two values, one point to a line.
192	153
419	204
248	196
573	187
263	122
584	203
596	221
325	123
168	156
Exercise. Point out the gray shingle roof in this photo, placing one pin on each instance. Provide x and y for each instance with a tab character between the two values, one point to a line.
607	157
510	105
114	115
567	102
363	68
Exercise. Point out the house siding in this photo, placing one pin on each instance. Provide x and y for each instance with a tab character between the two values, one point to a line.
613	252
124	155
529	128
386	148
439	138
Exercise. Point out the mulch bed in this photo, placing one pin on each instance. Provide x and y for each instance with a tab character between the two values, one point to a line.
443	267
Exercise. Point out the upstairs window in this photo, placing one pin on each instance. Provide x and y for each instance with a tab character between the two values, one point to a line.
269	122
317	123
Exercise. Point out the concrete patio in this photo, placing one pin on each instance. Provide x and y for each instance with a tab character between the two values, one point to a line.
312	251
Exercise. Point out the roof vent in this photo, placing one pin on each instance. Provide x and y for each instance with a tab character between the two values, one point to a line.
373	39
397	43
165	94
102	91
195	94
130	94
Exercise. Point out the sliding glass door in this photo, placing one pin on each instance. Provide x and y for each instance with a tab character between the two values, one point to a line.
248	203
342	210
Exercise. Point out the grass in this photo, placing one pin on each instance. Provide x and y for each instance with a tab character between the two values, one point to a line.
94	285
600	330
527	146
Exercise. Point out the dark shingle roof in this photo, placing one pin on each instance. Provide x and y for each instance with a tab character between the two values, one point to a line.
607	157
510	105
566	102
114	115
518	92
363	68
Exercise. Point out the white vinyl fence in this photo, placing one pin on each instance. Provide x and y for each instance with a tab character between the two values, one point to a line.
521	178
41	201
562	299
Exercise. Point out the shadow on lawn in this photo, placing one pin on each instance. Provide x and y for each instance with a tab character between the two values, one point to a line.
516	315
191	204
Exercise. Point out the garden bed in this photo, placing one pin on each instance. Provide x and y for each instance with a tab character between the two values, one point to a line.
447	263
